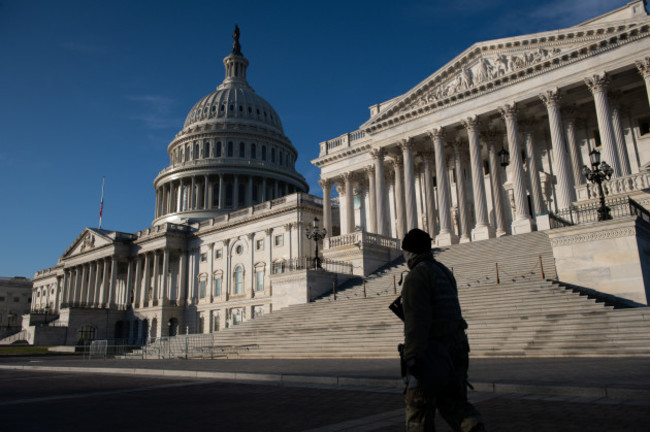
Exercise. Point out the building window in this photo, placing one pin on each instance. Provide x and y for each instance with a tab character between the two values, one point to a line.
242	150
239	249
273	155
229	195
236	316
278	240
259	244
259	280
202	288
263	152
280	158
196	151
278	267
217	286
253	151
239	279
258	311
206	149
218	149
204	257
230	149
218	253
215	321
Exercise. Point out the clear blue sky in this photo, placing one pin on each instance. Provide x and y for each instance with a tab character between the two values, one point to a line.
99	88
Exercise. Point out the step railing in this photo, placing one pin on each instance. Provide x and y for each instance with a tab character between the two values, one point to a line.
311	263
588	212
188	346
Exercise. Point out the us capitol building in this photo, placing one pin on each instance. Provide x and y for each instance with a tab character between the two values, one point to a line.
492	144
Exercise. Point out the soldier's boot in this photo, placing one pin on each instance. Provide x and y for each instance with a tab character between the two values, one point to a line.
472	424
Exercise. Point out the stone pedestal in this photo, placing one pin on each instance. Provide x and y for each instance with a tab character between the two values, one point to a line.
612	257
522	226
482	233
446	239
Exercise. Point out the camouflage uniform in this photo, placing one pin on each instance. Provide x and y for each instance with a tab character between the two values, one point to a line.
432	316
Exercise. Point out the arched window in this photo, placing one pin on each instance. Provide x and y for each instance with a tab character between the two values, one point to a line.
238	277
280	157
263	152
196	150
253	151
242	150
218	150
273	155
230	149
206	149
217	285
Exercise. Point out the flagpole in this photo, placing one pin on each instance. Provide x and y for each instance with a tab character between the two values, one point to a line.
101	204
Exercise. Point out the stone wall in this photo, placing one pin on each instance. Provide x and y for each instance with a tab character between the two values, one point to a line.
612	257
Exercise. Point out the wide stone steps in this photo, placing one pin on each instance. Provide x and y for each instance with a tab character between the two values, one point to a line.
522	315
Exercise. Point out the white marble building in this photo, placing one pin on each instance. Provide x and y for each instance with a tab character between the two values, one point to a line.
231	211
430	158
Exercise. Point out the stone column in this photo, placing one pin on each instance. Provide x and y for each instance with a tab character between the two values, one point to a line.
249	197
222	193
90	291
129	284
569	122
399	197
482	230
264	197
378	157
349	204
165	284
565	190
206	192
112	286
445	237
235	191
183	277
193	194
372	195
617	125
276	190
598	86
103	290
410	204
527	128
644	69
463	217
427	157
497	190
326	184
156	276
522	222
147	281
137	285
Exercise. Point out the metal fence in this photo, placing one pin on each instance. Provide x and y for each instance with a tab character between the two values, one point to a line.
588	213
181	346
309	263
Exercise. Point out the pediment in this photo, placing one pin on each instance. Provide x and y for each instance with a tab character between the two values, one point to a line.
88	239
491	64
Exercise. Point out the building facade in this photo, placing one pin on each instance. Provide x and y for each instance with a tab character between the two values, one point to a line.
15	300
430	158
231	211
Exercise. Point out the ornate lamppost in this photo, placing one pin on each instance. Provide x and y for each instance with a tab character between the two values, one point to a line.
504	157
599	171
316	234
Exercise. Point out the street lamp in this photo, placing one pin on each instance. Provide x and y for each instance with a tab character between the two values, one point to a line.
316	234
599	171
504	157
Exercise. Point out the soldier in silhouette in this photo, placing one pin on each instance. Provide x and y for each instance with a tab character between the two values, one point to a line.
436	350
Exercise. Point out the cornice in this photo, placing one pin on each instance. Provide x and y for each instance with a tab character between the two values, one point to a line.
608	38
342	154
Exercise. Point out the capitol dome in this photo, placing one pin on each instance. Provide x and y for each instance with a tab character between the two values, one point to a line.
231	153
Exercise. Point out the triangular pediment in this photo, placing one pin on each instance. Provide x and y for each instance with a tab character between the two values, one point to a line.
487	65
89	239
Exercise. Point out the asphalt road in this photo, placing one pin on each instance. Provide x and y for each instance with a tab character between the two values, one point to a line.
57	402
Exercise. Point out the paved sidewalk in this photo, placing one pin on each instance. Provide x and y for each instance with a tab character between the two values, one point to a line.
607	377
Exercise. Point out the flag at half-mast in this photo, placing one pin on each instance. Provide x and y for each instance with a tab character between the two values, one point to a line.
101	204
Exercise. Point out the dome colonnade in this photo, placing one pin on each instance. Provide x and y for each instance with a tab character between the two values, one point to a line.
231	153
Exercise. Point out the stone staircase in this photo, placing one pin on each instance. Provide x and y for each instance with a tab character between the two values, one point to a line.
517	314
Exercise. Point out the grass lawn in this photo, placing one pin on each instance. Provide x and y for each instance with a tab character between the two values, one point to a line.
23	350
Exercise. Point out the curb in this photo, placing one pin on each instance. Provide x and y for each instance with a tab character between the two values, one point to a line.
619	393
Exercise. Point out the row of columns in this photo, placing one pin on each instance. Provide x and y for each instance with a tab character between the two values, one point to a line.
91	284
566	165
199	191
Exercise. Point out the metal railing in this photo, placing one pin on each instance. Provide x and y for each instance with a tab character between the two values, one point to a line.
309	263
588	213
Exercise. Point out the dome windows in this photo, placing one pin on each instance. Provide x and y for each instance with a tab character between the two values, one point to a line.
253	151
230	149
242	150
218	149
